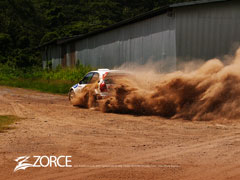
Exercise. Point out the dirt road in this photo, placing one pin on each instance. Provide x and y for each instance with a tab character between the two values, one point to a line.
113	146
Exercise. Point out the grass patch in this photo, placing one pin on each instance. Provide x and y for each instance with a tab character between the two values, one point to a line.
54	81
52	86
6	121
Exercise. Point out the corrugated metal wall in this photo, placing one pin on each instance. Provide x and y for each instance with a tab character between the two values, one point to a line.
207	31
52	54
151	39
193	32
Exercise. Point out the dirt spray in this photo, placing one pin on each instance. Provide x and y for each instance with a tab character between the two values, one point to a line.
209	92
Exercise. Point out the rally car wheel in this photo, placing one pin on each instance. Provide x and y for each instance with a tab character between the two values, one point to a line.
71	95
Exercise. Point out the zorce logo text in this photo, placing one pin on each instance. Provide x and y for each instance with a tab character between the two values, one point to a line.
42	161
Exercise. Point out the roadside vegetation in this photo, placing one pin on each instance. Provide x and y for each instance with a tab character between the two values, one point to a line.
6	121
53	81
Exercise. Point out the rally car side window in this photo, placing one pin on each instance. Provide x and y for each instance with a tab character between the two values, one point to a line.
95	78
87	78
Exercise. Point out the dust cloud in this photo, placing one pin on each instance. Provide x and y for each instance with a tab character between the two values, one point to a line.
212	91
86	98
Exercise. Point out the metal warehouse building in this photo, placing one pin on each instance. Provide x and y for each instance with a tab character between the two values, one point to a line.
193	30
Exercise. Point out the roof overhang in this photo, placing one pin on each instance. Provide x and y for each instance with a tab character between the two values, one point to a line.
191	3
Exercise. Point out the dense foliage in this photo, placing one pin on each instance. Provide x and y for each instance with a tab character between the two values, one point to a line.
54	81
25	24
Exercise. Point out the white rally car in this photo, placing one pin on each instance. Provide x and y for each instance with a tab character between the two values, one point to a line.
93	76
